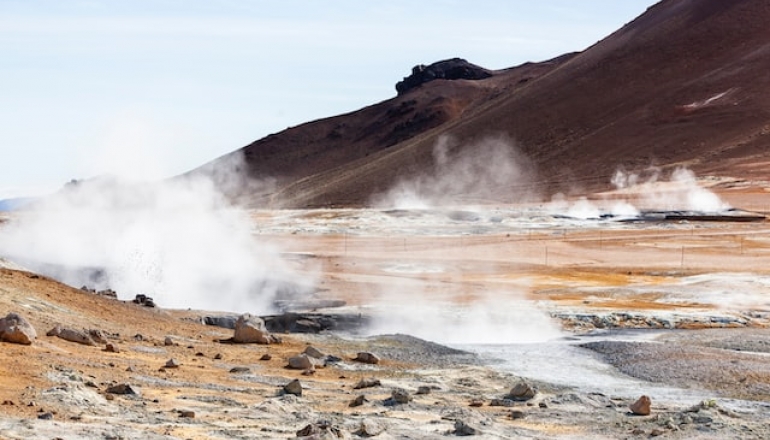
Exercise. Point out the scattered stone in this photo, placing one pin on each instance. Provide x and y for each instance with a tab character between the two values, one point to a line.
476	403
130	369
91	384
251	329
111	348
641	407
46	416
265	357
308	372
400	396
657	432
301	362
370	428
542	405
187	414
97	335
168	341
16	329
171	363
122	388
313	352
144	300
321	430
240	370
294	387
367	358
218	356
463	429
517	414
138	337
424	389
367	383
71	335
502	402
522	391
358	401
8	402
227	322
638	431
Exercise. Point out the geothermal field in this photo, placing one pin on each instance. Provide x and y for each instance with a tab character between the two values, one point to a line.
529	320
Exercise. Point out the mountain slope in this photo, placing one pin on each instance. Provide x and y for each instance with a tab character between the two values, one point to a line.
683	84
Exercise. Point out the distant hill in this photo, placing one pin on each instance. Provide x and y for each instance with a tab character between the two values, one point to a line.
684	84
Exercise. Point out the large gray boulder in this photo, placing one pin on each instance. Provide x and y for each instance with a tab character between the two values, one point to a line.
72	335
16	329
251	329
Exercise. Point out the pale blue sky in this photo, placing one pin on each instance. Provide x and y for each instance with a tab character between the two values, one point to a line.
149	89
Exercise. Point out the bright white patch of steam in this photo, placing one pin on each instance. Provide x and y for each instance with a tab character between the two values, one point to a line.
681	192
179	242
493	318
489	170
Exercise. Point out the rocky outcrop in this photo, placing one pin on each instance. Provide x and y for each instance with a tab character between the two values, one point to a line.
16	329
84	337
251	329
452	69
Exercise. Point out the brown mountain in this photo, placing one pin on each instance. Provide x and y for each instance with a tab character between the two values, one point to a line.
686	83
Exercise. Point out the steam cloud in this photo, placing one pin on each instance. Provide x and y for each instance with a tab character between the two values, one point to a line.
493	317
491	169
178	241
680	192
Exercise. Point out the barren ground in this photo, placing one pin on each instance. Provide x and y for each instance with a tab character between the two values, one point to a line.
695	294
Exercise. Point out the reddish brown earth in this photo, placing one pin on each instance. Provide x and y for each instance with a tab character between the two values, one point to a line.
684	84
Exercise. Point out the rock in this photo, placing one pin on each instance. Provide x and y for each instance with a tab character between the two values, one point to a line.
187	414
218	356
476	403
97	336
421	390
144	300
463	429
400	396
122	388
322	429
16	329
227	322
240	370
657	432
171	363
517	414
313	352
46	416
367	358
111	348
641	407
72	335
294	387
251	329
502	402
358	401
522	391
452	69
367	383
168	341
301	362
265	357
370	428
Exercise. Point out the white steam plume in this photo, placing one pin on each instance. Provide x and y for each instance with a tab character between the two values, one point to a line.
498	317
489	170
178	241
680	192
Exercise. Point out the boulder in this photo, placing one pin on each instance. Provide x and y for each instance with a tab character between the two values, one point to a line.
367	383
301	362
641	407
16	329
251	329
367	358
294	387
400	396
370	428
122	388
522	391
463	429
71	335
358	401
313	352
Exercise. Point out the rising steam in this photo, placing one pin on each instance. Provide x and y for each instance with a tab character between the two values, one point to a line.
489	170
178	241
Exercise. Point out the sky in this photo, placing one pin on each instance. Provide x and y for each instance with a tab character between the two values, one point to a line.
147	89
